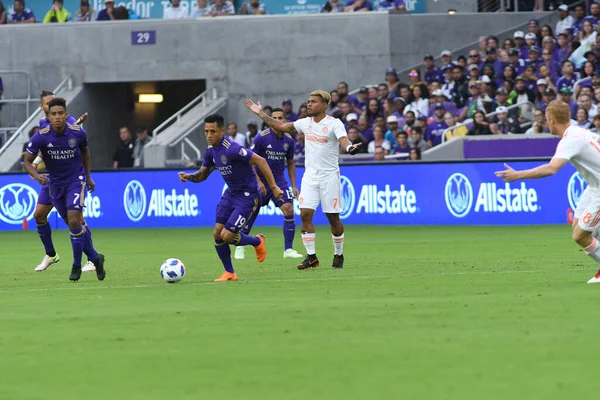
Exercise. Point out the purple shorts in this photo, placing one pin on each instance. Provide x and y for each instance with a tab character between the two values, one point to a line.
44	197
288	195
68	196
234	210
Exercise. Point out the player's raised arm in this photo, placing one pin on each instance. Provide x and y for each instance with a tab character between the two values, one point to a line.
272	122
510	175
201	175
263	166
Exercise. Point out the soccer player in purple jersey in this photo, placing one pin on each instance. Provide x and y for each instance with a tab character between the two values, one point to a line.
276	147
44	203
242	198
64	150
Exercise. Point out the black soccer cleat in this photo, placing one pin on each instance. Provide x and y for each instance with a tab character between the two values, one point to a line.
75	273
311	261
338	261
100	271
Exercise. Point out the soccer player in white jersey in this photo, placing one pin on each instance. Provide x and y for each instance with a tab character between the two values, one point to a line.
582	148
321	181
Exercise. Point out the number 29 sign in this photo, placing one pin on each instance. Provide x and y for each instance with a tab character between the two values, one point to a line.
143	37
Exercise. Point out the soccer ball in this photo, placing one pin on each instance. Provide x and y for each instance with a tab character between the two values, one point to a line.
172	270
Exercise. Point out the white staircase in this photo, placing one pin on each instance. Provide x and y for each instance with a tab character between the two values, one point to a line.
175	130
11	152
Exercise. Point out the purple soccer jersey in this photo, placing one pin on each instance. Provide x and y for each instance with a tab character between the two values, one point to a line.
61	153
242	197
276	150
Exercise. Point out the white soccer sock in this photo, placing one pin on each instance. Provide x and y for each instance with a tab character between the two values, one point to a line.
309	242
338	244
593	251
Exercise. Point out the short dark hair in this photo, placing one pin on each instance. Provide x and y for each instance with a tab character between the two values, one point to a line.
46	93
215	119
416	129
412	112
343	83
402	133
232	123
141	129
57	101
278	109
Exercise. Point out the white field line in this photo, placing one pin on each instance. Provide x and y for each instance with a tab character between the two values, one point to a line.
316	279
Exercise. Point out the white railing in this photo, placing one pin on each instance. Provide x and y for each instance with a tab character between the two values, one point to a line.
25	101
176	118
33	116
470	120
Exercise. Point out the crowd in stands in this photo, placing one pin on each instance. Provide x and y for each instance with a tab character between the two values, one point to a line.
202	8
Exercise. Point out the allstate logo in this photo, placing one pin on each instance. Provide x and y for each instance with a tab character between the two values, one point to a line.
459	195
134	200
575	189
17	201
348	197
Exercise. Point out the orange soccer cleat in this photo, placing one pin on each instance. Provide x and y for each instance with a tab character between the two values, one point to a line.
227	276
261	249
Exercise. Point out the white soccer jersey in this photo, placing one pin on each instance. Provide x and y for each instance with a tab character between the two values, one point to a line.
321	145
582	149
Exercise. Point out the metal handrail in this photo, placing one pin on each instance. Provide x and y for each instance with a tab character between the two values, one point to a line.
19	101
576	85
31	117
511	107
177	116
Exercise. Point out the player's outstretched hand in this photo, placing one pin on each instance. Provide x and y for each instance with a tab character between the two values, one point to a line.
184	177
508	175
91	185
354	148
82	119
42	178
255	108
296	192
278	193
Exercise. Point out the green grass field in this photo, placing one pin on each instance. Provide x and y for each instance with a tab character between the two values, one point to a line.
417	313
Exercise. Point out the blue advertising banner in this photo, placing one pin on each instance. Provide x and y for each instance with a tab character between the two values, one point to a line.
155	8
409	194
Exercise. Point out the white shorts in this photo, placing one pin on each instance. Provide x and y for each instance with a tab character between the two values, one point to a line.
323	191
588	210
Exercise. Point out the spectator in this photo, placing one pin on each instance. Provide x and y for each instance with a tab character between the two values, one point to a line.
355	137
594	17
138	149
416	139
122	12
402	145
232	132
342	89
492	58
475	102
373	91
288	112
85	13
410	120
584	101
450	120
391	5
582	119
480	127
596	95
578	20
379	141
566	95
267	110
333	6
534	57
108	13
519	38
382	92
529	78
544	73
505	123
587	34
3	14
57	13
539	124
548	60
461	61
343	110
361	103
448	86
549	95
302	111
392	82
392	127
460	90
21	15
253	7
380	153
351	121
534	25
222	8
299	147
564	48
372	111
506	46
415	154
364	128
446	57
436	129
492	43
252	131
358	5
175	11
432	73
419	104
415	78
596	123
546	32
202	9
399	106
123	157
473	71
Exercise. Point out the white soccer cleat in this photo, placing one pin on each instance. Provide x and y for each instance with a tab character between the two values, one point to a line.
291	253
595	278
89	266
240	253
47	261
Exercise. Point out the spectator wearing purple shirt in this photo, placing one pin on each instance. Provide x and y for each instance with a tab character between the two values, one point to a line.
361	102
109	11
517	63
438	97
358	5
391	5
534	27
594	16
552	65
432	73
520	45
392	81
436	129
578	20
364	129
534	57
568	77
399	106
566	95
475	58
21	15
563	49
287	106
372	111
342	89
492	58
529	78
